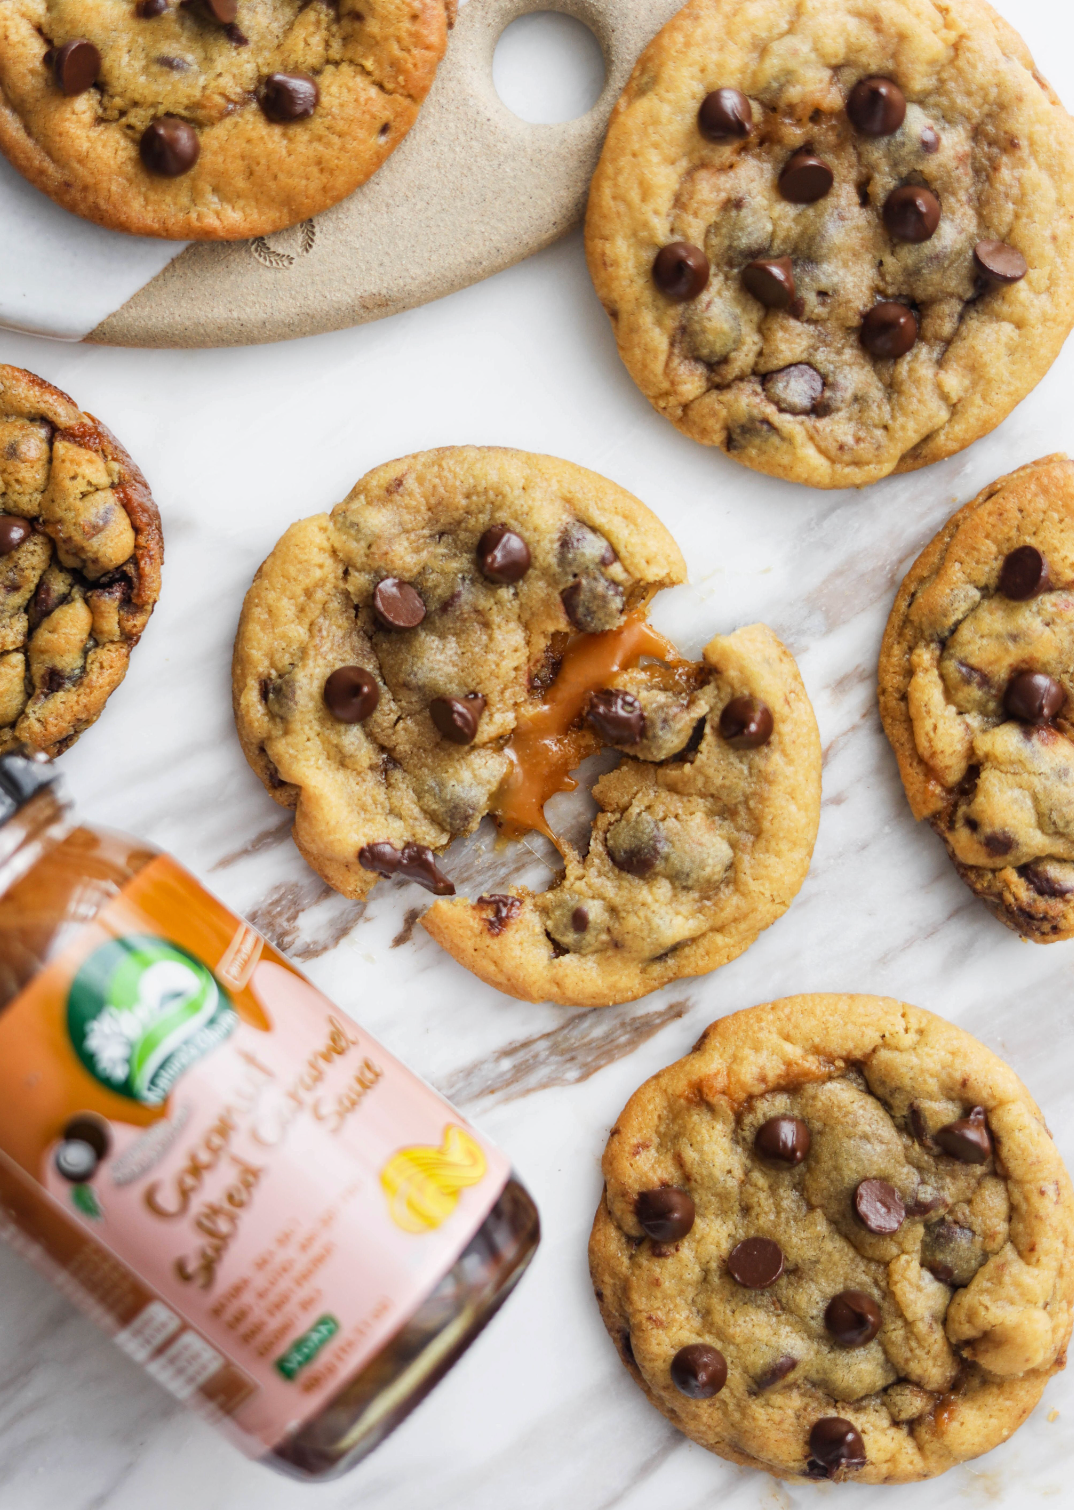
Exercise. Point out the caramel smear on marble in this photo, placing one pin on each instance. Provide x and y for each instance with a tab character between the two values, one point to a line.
549	740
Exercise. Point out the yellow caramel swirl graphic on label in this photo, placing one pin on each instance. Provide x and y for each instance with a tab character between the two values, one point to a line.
423	1183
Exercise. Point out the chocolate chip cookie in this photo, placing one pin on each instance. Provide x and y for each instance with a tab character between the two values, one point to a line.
836	249
80	558
835	1242
452	641
976	680
210	119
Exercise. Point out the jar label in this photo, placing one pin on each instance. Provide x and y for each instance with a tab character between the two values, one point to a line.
232	1178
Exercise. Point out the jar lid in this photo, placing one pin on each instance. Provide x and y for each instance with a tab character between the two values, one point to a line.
22	777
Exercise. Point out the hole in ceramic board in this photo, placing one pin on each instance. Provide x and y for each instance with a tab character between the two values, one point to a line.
548	68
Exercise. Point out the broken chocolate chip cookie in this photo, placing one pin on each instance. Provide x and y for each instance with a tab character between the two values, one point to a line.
80	559
835	1242
976	685
836	249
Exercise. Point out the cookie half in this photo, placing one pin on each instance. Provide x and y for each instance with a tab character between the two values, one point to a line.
210	119
836	247
80	558
455	638
835	1241
976	684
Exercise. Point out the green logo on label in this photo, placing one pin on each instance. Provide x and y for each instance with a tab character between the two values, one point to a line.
141	1011
305	1348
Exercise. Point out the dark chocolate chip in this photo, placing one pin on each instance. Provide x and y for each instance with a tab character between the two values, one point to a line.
635	850
999	842
951	1252
795	389
223	11
579	920
929	139
805	178
616	716
502	556
149	10
876	106
457	718
414	862
13	533
351	694
502	909
1033	697
666	1214
785	1139
757	1262
999	263
681	271
771	281
836	1443
888	329
289	96
628	1347
968	1139
76	66
879	1206
593	603
397	605
911	213
1024	574
87	1128
746	723
76	1161
777	1371
699	1371
918	1126
725	116
1043	884
169	147
236	37
853	1318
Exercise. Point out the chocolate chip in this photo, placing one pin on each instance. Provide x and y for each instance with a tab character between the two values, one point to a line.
771	281
414	862
13	533
681	271
929	139
836	1443
397	605
666	1214
757	1262
76	66
746	723
173	65
888	329
627	1347
699	1371
876	106
999	842
853	1318
1045	885
502	556
289	96
968	1139
223	11
579	920
236	37
616	716
999	263
169	147
725	116
1033	697
351	694
457	718
149	10
794	389
805	178
76	1161
879	1206
502	910
777	1371
951	1252
635	845
785	1139
1024	574
87	1128
911	213
593	603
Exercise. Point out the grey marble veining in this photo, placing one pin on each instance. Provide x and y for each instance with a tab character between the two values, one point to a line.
236	445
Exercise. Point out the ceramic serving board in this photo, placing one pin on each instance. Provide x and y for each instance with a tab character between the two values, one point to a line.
470	191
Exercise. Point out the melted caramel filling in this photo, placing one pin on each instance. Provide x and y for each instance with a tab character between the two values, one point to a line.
550	740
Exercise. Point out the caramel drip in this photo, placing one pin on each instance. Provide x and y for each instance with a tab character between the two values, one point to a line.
549	741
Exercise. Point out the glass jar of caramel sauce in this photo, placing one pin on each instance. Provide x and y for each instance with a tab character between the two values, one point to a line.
286	1227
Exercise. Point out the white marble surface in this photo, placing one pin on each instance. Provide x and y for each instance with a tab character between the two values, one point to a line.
236	444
